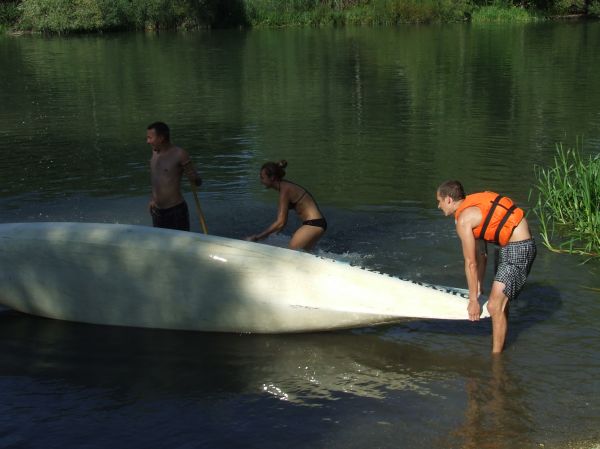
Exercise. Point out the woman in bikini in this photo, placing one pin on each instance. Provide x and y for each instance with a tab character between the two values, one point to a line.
292	196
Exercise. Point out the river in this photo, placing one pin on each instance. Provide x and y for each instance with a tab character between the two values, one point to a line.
370	120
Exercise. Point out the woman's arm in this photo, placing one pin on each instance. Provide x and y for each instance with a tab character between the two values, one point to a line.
280	222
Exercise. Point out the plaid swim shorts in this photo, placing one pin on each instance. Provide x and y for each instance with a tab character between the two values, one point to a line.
514	264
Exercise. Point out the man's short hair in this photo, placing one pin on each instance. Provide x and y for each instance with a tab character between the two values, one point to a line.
453	189
161	129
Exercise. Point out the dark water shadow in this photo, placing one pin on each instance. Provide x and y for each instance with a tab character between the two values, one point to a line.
152	361
537	303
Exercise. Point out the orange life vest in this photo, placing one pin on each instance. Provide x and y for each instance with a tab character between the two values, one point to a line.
499	216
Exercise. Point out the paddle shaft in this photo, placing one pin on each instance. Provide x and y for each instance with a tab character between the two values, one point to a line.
199	209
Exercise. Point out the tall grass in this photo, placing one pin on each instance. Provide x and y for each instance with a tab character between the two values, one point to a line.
502	12
354	12
568	202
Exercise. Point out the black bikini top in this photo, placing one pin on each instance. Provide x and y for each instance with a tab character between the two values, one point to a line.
293	204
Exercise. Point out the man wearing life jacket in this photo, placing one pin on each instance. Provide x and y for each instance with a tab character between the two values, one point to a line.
489	217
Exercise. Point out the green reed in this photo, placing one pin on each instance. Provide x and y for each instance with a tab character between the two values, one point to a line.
568	202
503	12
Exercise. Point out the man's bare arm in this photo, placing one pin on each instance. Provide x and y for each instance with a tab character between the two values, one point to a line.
464	230
481	254
190	170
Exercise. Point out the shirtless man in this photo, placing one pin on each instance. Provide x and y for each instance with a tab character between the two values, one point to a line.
167	165
489	217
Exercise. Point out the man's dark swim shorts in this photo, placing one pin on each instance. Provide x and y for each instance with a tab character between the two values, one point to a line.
176	217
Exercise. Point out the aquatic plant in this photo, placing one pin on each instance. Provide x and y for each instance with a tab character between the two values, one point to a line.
568	202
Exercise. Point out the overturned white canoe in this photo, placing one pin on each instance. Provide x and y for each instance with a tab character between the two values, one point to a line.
140	276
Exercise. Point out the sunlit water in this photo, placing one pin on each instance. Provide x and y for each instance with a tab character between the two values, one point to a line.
370	121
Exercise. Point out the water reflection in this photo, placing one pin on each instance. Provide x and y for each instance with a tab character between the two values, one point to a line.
388	111
495	416
295	368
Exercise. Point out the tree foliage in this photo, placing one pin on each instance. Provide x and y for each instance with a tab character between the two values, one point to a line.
62	16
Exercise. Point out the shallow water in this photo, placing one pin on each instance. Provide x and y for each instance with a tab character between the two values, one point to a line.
370	121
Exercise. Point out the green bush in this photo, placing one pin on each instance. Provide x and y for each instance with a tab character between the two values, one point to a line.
562	7
9	14
594	8
62	16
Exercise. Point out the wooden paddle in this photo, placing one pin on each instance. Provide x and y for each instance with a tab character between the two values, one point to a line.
198	208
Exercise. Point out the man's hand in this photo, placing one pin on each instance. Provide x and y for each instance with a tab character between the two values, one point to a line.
474	310
251	238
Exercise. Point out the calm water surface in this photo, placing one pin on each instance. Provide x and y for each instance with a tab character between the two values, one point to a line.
370	121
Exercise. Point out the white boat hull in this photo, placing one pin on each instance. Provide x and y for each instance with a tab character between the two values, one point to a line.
140	276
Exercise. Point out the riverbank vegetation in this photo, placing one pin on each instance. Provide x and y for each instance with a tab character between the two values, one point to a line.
64	16
9	15
500	12
568	202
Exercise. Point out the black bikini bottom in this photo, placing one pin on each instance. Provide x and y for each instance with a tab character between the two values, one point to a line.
318	222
